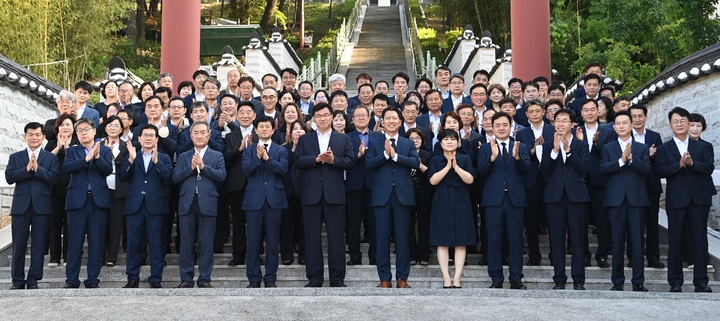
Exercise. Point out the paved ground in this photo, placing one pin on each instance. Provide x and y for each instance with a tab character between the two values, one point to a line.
352	304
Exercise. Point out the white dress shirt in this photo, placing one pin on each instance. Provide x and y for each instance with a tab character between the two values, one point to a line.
590	132
640	138
324	140
554	154
537	132
623	146
682	146
395	158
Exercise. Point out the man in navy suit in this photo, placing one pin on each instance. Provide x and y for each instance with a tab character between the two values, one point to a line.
652	140
592	92
687	165
199	113
264	163
88	203
400	81
393	196
410	112
154	108
358	183
147	205
593	134
198	171
324	156
457	85
503	162
83	89
33	171
535	136
564	168
625	163
431	120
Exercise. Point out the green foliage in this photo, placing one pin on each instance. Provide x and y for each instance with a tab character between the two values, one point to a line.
429	42
80	32
416	11
315	13
451	36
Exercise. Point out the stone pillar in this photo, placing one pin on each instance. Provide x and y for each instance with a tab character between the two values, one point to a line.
530	32
180	52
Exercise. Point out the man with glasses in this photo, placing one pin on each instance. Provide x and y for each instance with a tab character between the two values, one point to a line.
88	203
457	85
410	114
289	79
198	171
305	91
153	115
324	155
269	98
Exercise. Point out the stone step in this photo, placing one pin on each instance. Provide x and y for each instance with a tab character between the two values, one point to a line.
418	284
364	271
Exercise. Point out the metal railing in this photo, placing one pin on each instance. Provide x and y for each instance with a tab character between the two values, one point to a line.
344	36
313	72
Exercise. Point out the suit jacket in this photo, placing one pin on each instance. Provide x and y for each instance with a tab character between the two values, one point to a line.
521	115
566	176
91	114
265	178
184	142
527	137
605	135
320	179
82	173
690	182
32	187
167	145
206	187
652	179
501	175
447	105
390	174
628	180
360	175
151	185
236	179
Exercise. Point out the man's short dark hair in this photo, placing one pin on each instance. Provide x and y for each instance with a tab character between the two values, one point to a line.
338	93
366	85
231	96
530	84
481	72
590	77
363	75
682	112
149	126
382	81
411	102
34	125
502	114
130	114
639	107
212	81
382	97
569	112
541	79
464	106
199	104
590	101
289	70
535	102
390	109
593	64
320	106
478	85
306	82
263	119
619	99
246	103
443	67
431	92
162	104
556	87
515	80
246	78
556	102
507	100
83	120
611	89
271	75
200	72
401	75
166	90
623	113
84	85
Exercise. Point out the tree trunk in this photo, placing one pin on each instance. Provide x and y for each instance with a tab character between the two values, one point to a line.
266	22
140	20
154	5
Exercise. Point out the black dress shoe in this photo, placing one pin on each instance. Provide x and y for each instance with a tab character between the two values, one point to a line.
655	263
639	288
602	262
156	285
32	287
301	261
559	286
270	285
496	285
517	285
588	261
69	285
532	263
236	262
287	262
92	286
617	287
132	284
313	285
206	285
579	286
703	288
254	285
184	285
18	287
675	288
338	284
354	262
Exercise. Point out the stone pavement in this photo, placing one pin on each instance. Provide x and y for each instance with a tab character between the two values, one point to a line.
352	304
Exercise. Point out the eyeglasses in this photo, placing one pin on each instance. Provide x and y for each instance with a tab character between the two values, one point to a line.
360	116
84	130
322	115
210	88
268	97
112	125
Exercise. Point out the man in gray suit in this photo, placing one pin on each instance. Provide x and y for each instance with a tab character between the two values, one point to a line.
198	171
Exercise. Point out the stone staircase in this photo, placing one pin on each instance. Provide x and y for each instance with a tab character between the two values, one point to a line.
363	276
379	50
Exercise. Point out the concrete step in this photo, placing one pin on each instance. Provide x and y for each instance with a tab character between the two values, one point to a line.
365	271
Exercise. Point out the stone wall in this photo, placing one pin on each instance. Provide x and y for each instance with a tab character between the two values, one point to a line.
697	96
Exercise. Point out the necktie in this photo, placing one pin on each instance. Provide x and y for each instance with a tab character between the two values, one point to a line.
392	143
504	152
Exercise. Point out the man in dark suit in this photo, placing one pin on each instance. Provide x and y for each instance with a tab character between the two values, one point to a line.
687	165
592	92
379	103
324	156
247	85
146	206
535	136
503	162
199	114
358	183
88	203
83	89
393	196
626	163
264	163
235	144
652	140
410	115
457	85
199	171
168	133
565	195
400	81
593	134
479	183
33	171
431	120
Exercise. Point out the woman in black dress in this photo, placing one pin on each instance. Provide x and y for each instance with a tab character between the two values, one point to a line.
420	243
451	217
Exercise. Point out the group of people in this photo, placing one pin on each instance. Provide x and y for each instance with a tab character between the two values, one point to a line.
419	169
